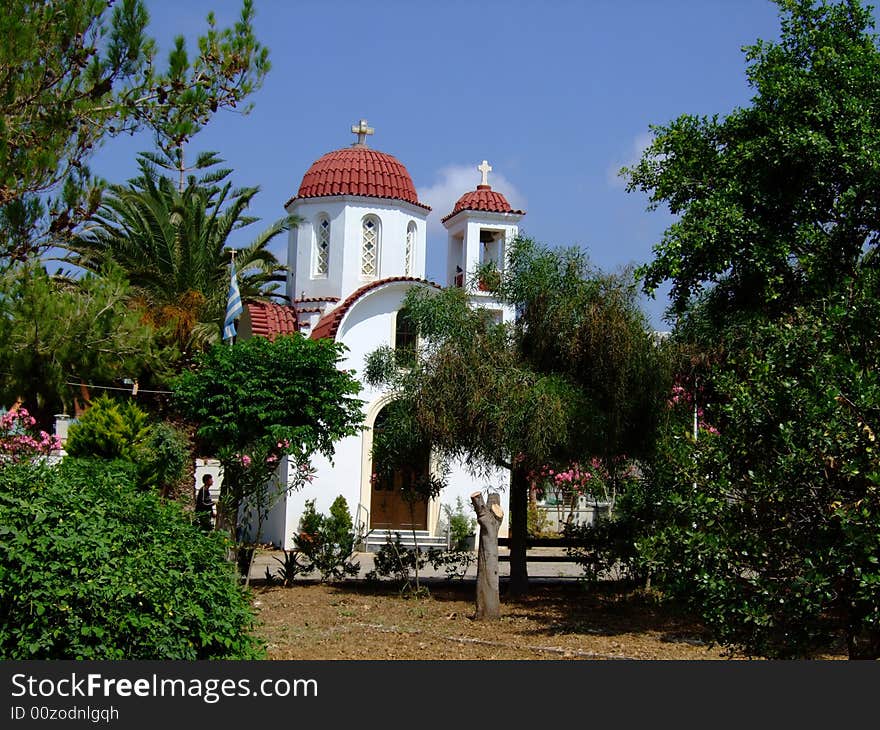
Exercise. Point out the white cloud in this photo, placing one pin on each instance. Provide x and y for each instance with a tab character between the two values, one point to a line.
639	145
453	181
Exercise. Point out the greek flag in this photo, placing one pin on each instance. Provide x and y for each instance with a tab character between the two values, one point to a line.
233	307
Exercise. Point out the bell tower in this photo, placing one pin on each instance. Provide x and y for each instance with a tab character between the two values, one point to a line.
479	231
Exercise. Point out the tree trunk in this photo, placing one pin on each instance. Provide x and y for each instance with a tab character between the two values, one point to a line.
489	516
519	530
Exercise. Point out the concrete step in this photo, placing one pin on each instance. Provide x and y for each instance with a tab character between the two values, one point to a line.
376	539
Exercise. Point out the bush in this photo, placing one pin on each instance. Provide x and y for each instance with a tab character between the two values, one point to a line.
92	568
121	430
396	561
462	524
326	544
109	430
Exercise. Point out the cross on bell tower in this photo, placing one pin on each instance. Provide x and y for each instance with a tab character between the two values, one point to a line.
485	169
361	130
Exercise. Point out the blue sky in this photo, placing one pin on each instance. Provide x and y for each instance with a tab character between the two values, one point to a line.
556	95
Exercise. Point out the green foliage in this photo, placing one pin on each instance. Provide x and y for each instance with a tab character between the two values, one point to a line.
776	201
114	429
538	522
607	548
55	333
258	389
766	522
455	563
462	523
94	569
172	243
263	399
579	375
110	429
290	568
78	73
397	562
770	527
167	455
326	543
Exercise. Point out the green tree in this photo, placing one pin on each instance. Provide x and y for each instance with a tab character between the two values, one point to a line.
173	246
257	400
775	201
577	376
54	334
771	526
76	73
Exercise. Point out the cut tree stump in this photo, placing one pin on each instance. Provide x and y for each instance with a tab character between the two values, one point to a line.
489	516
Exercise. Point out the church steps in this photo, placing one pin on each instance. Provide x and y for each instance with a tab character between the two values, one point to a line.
374	540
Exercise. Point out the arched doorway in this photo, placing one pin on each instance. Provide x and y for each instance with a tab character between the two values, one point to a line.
390	507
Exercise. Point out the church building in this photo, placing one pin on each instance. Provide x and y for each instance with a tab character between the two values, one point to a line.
359	248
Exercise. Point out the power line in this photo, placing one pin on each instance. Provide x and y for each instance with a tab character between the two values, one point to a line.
126	390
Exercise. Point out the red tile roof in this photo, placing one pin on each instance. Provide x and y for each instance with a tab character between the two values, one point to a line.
271	320
358	170
316	299
483	198
328	325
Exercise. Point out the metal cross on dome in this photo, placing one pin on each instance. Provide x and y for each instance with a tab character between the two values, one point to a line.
362	130
485	169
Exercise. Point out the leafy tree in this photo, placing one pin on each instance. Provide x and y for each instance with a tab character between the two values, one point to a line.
775	201
92	568
771	527
173	245
53	334
257	400
578	376
77	73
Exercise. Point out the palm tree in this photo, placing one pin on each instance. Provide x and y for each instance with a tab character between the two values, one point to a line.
172	242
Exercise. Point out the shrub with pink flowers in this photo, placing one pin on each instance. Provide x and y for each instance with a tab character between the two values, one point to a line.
20	440
682	398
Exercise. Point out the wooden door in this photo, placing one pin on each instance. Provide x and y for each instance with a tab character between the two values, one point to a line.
390	511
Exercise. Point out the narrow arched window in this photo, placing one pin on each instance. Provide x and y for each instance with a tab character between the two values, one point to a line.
322	247
370	247
409	253
405	339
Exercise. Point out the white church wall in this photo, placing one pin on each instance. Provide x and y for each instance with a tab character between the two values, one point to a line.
301	249
393	221
346	216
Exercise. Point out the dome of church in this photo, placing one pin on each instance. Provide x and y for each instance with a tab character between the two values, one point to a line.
483	199
359	170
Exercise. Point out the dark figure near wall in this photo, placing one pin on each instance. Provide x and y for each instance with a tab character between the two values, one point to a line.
205	504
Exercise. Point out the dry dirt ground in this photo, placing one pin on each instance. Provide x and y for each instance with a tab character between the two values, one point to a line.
359	620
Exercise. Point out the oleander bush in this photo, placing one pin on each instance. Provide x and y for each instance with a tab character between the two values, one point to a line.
91	567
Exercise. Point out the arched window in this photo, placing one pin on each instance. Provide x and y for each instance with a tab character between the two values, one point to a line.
405	339
321	256
370	247
410	248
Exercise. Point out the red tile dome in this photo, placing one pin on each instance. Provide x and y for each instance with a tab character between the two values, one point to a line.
359	170
485	199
